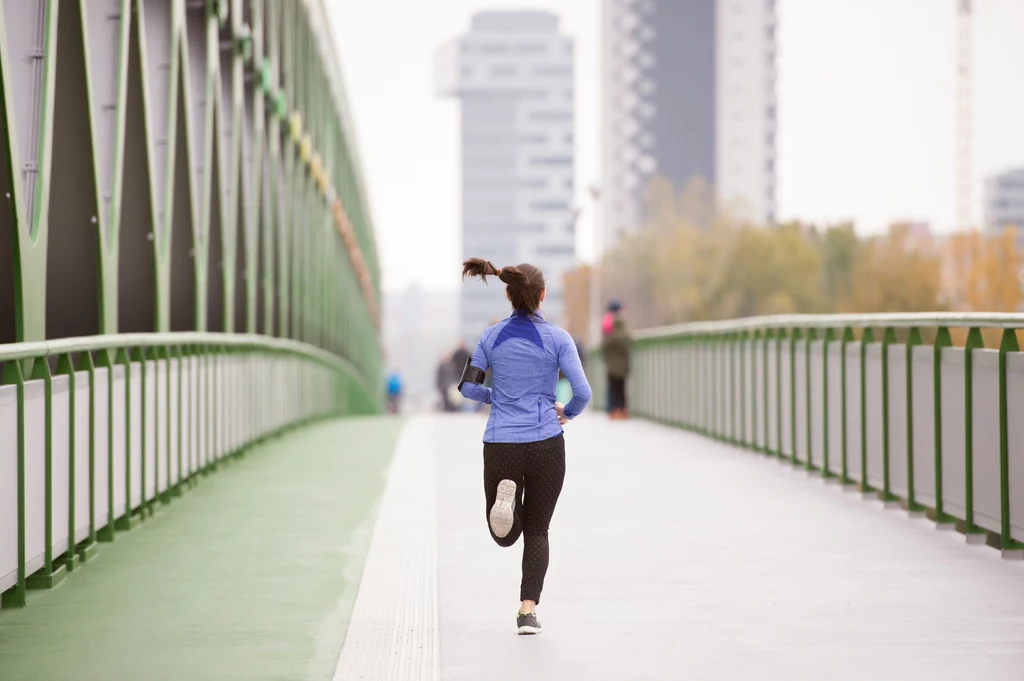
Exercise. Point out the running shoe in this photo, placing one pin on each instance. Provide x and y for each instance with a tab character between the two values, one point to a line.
503	511
528	624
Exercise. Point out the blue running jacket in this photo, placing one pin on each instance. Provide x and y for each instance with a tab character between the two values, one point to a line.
524	353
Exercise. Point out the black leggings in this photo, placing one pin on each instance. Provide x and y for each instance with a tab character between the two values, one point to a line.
538	469
616	393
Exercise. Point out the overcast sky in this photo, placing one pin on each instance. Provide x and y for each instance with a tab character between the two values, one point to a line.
866	127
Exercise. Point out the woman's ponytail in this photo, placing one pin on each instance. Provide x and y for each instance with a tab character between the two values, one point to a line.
478	267
524	283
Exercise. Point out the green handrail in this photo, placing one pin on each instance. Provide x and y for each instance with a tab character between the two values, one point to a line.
220	423
802	435
40	349
987	320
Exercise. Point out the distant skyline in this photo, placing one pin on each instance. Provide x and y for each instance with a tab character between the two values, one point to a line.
865	93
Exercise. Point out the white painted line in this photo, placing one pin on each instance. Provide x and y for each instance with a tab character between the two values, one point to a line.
393	633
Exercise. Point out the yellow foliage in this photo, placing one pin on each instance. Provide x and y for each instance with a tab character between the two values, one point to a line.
891	275
691	263
983	272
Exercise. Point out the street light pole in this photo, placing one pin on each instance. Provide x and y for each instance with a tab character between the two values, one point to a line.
595	285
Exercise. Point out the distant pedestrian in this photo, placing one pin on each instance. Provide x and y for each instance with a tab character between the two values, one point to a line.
607	326
615	348
394	392
447	377
460	356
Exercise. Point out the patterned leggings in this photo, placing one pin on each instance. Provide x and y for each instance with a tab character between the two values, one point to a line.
538	469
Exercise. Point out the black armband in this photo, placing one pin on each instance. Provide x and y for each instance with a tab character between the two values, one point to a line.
471	375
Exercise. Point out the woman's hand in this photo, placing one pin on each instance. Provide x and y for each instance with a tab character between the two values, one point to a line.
560	410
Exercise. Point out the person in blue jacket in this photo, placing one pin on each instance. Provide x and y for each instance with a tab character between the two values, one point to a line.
394	391
524	448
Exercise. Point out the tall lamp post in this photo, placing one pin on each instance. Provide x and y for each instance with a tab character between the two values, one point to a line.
595	284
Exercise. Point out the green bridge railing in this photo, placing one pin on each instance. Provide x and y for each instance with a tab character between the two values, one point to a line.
96	433
180	176
884	402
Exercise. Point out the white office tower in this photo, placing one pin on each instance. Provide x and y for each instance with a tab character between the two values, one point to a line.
688	92
513	74
1004	201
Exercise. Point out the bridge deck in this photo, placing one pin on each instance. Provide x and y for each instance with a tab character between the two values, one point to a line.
672	557
251	575
675	557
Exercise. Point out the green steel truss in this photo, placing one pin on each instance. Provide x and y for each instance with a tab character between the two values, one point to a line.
182	165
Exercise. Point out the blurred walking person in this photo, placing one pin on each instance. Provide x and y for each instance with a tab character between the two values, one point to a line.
615	349
394	392
447	377
460	356
607	326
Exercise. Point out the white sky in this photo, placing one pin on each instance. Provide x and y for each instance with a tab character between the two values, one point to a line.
866	127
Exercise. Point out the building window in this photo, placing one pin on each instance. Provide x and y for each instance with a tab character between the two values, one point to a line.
552	71
533	139
549	205
551	116
551	160
495	228
556	250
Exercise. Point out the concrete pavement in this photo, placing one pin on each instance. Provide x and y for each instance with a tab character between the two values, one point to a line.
672	557
675	557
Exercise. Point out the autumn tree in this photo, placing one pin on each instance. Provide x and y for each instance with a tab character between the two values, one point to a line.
983	272
839	247
890	274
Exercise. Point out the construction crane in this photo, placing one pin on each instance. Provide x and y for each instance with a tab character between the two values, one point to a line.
964	113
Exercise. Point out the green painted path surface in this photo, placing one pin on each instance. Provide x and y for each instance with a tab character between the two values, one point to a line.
250	575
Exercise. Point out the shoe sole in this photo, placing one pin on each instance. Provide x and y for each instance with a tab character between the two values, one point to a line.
529	631
502	514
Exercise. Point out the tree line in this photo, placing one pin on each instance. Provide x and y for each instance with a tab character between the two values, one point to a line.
691	263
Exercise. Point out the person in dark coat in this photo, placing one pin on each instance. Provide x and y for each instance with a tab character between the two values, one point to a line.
607	326
615	349
460	357
446	378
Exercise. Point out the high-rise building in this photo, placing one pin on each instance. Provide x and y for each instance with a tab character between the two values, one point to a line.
1004	200
688	94
513	74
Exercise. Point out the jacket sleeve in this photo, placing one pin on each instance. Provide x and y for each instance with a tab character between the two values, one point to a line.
475	391
569	363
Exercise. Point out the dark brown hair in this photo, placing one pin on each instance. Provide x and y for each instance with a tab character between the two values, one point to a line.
524	282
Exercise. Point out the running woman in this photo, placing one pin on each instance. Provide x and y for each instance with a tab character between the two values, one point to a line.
524	450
